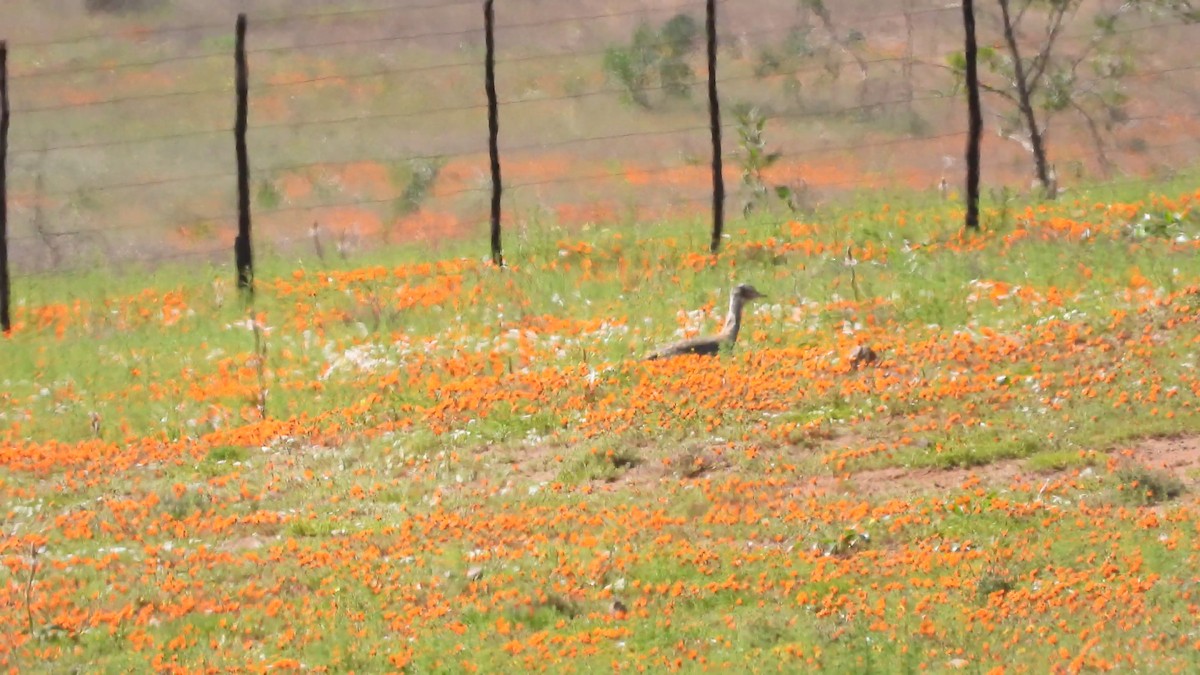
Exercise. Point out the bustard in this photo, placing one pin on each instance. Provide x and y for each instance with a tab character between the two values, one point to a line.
710	345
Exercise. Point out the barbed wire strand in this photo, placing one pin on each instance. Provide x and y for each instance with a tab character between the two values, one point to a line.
701	200
433	111
516	149
342	43
550	56
142	33
436	111
225	54
291	17
805	152
168	95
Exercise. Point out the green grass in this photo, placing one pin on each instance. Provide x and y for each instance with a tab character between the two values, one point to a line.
1060	460
598	465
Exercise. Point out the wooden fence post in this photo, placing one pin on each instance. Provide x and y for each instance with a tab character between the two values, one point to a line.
489	82
975	114
5	316
714	114
243	253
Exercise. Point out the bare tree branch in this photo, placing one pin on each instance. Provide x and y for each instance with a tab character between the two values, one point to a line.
982	85
822	13
1097	138
1025	99
1042	59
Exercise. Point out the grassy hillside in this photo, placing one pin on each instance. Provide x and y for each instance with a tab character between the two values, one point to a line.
421	463
400	458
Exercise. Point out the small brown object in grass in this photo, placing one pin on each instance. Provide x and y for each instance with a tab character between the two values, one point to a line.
862	355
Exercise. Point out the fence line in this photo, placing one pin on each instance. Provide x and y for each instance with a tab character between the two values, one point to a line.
511	102
550	56
297	17
532	146
489	79
216	253
494	106
714	111
345	43
283	169
807	152
432	111
801	153
5	318
290	17
394	116
243	252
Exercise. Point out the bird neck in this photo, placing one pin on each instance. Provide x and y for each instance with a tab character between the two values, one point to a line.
733	320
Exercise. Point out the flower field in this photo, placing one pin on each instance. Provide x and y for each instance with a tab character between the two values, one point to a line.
404	464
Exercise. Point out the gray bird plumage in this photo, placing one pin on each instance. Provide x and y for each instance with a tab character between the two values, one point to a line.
710	345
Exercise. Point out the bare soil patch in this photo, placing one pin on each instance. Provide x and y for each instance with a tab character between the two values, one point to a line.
1179	456
894	481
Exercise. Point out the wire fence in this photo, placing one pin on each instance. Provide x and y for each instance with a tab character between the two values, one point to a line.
369	125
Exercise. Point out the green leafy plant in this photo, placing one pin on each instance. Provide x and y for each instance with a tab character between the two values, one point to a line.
994	579
423	174
677	41
660	53
600	465
1162	225
1144	486
849	541
755	160
267	196
631	66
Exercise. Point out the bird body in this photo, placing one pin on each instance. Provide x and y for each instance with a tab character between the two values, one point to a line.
710	345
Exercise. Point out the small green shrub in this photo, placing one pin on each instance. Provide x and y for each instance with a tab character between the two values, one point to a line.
423	174
1144	486
267	196
597	464
993	580
310	528
226	453
652	53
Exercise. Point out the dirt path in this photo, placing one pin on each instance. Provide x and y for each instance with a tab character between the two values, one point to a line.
1178	456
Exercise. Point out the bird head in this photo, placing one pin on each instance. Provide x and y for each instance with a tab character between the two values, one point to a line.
747	292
